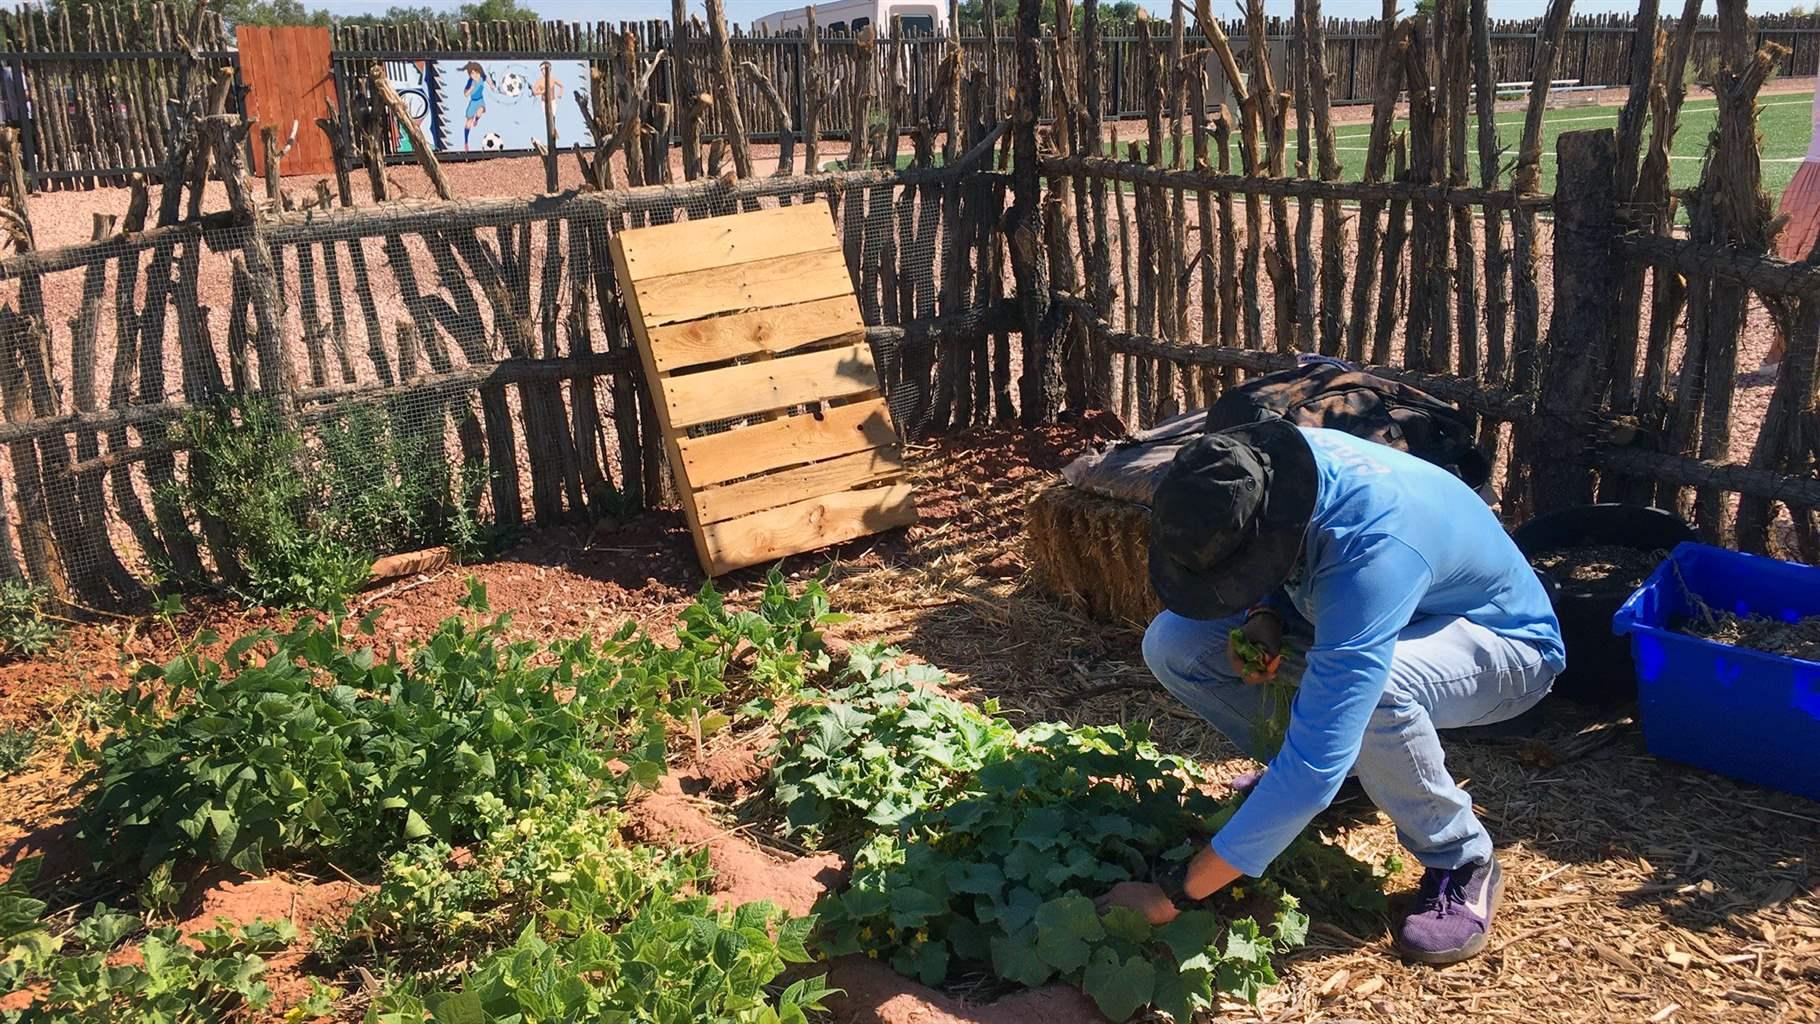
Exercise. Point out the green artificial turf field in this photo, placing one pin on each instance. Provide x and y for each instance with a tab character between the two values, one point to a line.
1784	123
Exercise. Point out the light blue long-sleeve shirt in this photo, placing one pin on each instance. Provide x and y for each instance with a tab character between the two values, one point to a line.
1392	539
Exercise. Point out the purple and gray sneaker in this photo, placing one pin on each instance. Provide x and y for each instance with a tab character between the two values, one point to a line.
1452	918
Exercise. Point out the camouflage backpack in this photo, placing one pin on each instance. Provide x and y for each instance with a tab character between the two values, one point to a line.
1321	392
1333	394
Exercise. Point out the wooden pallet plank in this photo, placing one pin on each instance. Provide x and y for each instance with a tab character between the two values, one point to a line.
766	331
758	493
691	245
857	436
784	281
685	493
736	391
806	525
793	440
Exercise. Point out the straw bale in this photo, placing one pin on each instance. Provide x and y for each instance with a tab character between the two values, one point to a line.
1093	551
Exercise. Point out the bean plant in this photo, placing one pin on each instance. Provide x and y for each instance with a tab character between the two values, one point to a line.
755	658
304	746
311	746
74	974
603	931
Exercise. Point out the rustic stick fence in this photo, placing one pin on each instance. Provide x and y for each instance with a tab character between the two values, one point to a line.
1015	260
1599	347
491	327
90	85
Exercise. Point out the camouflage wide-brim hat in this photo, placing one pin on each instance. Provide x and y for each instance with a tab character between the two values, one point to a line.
1227	520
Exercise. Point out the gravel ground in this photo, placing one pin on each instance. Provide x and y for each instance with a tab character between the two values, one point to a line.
62	218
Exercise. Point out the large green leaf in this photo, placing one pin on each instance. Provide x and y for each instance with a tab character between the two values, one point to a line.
1119	988
931	960
1071	915
1127	924
911	906
1243	942
458	1008
1062	951
1015	958
1019	908
1043	828
1191	933
979	879
1064	927
1183	993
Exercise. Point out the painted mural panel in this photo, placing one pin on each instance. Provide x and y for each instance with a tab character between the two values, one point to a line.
411	80
498	105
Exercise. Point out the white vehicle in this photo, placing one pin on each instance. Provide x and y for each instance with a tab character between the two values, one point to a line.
920	17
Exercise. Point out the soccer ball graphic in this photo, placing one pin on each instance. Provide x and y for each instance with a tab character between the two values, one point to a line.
512	84
491	140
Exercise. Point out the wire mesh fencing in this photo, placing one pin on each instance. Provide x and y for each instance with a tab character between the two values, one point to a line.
391	377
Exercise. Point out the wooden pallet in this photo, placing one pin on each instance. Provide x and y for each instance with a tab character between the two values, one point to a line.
751	338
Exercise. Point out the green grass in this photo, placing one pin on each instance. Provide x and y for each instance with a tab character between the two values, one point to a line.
1784	124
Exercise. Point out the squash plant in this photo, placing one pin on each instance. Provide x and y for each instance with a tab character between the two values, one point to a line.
1005	877
878	749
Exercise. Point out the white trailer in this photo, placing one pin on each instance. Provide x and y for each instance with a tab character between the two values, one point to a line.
920	17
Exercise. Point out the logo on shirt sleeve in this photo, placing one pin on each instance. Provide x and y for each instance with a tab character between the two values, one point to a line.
1354	459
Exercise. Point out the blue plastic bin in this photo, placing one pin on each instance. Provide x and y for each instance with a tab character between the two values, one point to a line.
1738	712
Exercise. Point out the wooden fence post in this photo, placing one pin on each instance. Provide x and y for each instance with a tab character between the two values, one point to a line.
1585	317
1024	229
726	88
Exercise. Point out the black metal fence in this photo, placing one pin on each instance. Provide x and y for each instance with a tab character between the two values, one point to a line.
89	86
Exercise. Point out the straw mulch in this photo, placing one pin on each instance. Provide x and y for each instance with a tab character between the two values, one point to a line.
1798	639
1638	890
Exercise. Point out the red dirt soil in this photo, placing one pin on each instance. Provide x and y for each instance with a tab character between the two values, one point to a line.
876	994
742	872
308	903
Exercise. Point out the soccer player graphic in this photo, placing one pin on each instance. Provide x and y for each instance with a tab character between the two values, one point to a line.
476	92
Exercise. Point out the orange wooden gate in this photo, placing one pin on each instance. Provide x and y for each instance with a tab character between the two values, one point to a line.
286	71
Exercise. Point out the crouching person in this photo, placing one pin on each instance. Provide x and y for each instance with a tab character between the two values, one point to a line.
1425	616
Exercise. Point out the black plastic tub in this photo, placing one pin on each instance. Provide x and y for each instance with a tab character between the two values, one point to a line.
1599	666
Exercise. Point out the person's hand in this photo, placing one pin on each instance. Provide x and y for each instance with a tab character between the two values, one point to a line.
1147	898
1263	631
